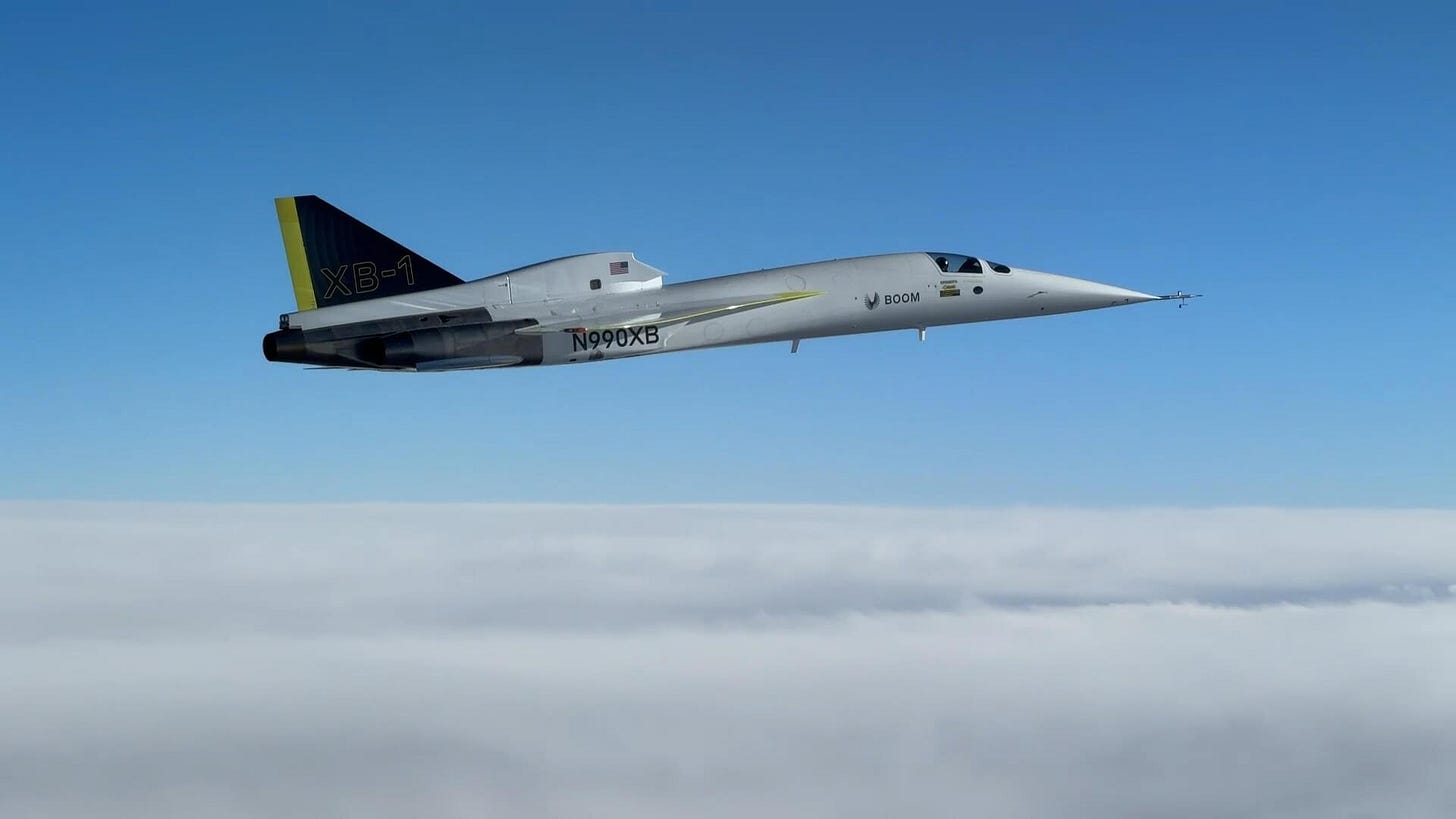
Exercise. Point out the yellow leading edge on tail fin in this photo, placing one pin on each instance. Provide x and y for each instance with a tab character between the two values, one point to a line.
335	259
297	259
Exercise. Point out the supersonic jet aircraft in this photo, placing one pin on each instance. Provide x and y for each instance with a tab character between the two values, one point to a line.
367	302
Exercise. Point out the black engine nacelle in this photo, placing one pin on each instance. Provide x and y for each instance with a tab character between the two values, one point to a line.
286	345
324	346
441	343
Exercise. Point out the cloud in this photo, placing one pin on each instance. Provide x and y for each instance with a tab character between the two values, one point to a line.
379	660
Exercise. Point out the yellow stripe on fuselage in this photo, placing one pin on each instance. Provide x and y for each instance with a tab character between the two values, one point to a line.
562	326
297	259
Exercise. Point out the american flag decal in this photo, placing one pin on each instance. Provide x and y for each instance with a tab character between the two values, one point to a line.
617	268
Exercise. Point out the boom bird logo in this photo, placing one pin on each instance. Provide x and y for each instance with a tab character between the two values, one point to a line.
872	301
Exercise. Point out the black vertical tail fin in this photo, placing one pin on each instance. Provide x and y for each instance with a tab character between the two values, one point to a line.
335	258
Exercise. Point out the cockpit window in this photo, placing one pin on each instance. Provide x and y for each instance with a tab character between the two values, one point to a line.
956	263
999	268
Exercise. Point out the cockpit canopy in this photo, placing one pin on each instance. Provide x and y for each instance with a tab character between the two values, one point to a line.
956	263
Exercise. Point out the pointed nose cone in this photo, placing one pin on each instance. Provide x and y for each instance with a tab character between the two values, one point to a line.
1107	295
1068	294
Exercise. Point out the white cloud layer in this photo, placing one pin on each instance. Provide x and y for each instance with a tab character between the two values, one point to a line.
377	660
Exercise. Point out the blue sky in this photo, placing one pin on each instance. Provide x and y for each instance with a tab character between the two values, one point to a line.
1292	163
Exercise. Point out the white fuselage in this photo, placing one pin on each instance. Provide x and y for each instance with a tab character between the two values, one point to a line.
840	297
864	295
